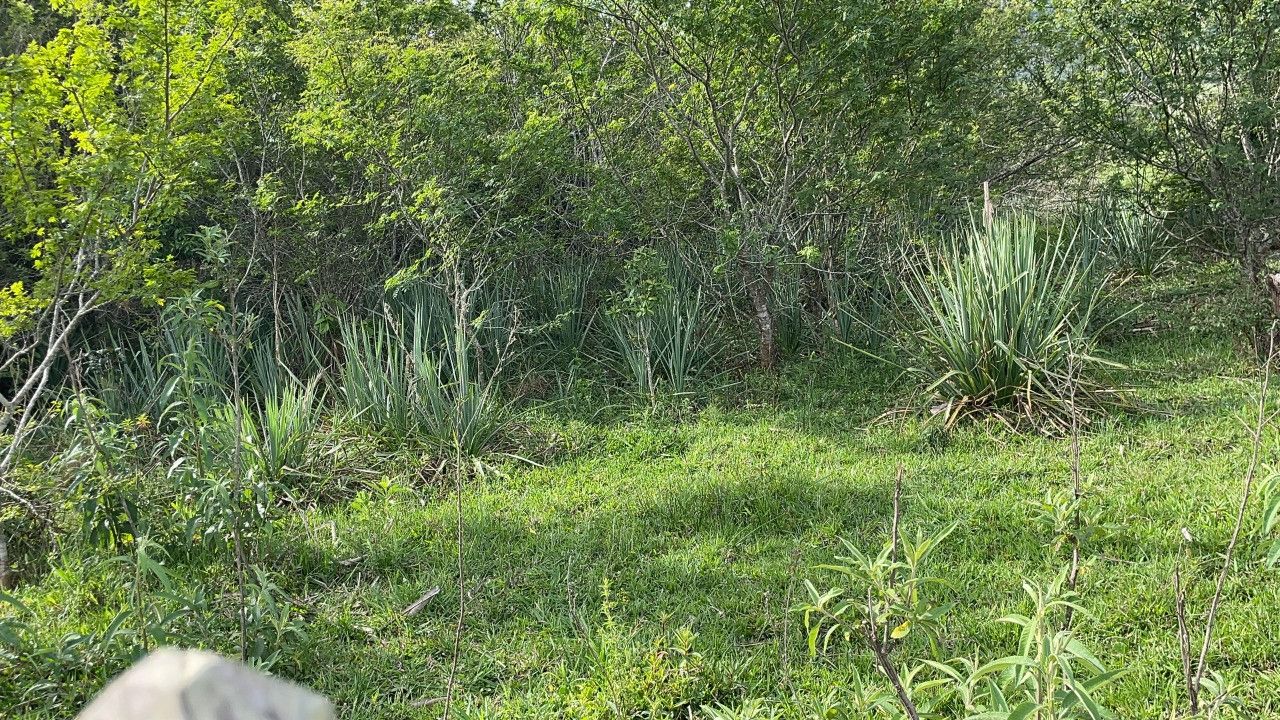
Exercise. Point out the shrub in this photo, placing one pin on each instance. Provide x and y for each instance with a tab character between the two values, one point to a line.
657	329
1003	315
884	599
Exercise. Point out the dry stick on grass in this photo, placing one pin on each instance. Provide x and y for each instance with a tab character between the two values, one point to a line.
1196	680
1184	637
6	580
462	594
786	626
894	537
462	300
416	606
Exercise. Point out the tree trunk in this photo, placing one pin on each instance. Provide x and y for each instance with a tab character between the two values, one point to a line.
6	579
1253	248
758	292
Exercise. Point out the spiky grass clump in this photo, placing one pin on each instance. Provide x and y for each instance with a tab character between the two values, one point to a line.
284	426
559	299
857	295
1136	242
657	331
411	374
1005	324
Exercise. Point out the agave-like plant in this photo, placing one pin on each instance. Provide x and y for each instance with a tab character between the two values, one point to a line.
857	295
1135	242
1005	322
375	377
788	309
662	338
559	298
458	409
411	373
681	345
631	339
136	382
304	337
283	429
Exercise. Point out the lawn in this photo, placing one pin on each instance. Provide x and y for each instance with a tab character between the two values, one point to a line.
647	562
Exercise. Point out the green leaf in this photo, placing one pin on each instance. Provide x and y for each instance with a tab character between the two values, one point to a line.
1004	663
1024	711
1076	648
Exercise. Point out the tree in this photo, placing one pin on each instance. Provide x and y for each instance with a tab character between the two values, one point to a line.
106	130
1189	89
421	102
788	114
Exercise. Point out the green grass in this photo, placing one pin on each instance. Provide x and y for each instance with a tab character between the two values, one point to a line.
710	519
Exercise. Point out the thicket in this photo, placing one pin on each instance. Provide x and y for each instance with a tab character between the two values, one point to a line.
240	238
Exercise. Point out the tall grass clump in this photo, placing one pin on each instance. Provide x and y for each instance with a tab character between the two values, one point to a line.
788	309
657	328
375	376
411	373
282	429
147	374
1127	238
559	299
458	405
135	382
858	293
1002	311
1136	242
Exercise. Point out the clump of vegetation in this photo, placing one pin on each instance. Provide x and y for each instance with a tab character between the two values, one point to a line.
1136	242
412	374
560	304
887	600
658	326
1003	311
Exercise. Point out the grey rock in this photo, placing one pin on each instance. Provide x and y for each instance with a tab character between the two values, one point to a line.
173	684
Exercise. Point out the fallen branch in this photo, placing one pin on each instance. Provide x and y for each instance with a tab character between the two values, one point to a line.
417	605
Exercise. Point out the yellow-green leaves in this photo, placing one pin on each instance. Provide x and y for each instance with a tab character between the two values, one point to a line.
16	309
104	129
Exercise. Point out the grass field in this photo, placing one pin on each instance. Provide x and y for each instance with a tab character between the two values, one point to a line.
646	563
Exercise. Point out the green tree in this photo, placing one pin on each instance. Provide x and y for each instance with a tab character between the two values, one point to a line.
106	130
1190	90
421	100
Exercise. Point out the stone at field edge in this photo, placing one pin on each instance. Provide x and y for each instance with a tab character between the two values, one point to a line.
173	684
